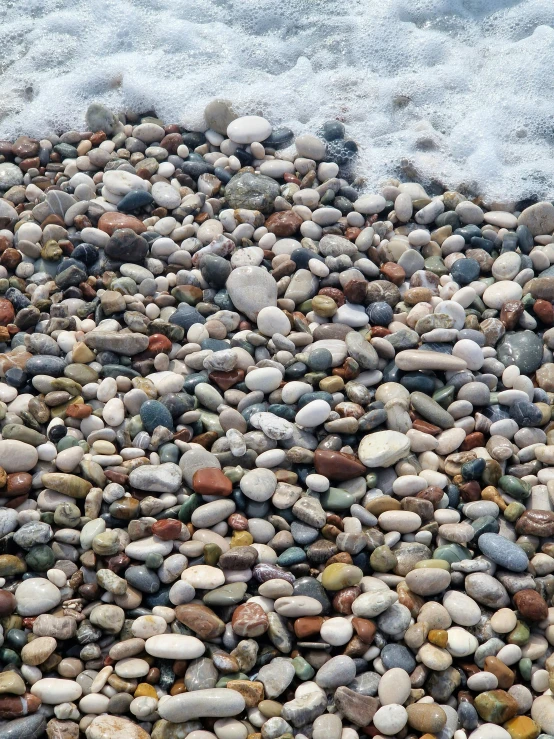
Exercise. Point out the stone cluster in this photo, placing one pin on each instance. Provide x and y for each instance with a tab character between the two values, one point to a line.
276	456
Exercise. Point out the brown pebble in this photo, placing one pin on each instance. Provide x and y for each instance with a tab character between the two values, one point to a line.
505	676
531	605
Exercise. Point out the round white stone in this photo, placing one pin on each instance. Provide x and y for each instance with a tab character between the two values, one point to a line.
313	414
35	596
272	320
166	195
394	687
390	719
463	610
265	379
370	204
336	631
496	295
16	456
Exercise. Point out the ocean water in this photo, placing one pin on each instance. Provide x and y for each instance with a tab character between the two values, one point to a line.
455	92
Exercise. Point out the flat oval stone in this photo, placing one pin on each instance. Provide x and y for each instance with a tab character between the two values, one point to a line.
504	552
249	128
174	646
55	691
213	702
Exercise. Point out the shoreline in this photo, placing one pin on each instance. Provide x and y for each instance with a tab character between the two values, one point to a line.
276	456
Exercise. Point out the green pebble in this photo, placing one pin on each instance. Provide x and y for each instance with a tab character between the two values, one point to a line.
336	499
210	421
514	511
520	634
525	666
16	638
66	443
134	426
169	453
67	515
291	556
188	507
212	553
452	553
371	480
515	487
304	671
383	559
154	561
226	595
235	474
9	657
445	395
40	558
436	265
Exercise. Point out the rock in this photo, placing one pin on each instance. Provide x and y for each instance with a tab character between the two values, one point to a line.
539	219
219	114
30	727
163	478
36	596
174	646
251	289
504	552
340	670
55	691
253	192
16	456
100	118
248	128
359	709
427	718
10	175
522	349
215	702
383	448
276	676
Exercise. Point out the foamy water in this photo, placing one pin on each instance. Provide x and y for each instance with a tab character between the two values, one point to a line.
460	91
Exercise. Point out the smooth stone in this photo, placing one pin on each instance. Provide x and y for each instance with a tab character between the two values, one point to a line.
251	289
17	456
55	691
340	670
524	349
213	702
174	646
504	552
36	596
249	128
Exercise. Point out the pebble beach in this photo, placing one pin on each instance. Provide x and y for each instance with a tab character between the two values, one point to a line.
276	452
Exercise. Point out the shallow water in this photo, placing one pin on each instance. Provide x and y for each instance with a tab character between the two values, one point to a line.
455	91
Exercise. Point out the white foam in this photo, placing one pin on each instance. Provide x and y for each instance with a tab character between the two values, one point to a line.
460	89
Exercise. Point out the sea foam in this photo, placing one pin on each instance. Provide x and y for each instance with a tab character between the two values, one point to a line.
454	92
